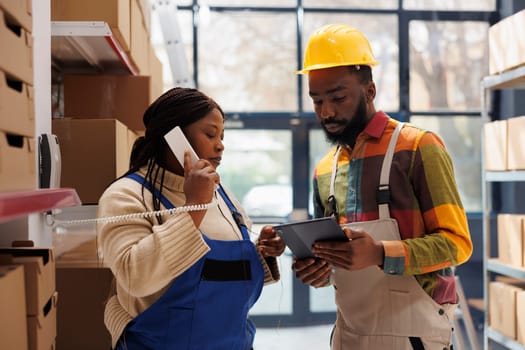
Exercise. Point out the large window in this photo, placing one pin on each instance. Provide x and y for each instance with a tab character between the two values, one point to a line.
247	60
450	5
440	52
257	166
442	90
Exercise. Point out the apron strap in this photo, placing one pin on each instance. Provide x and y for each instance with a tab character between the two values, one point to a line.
239	220
165	201
416	343
383	190
331	198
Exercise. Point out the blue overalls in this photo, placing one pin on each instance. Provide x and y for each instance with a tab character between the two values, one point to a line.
207	306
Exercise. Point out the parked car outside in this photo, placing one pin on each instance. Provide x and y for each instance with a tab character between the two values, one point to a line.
272	200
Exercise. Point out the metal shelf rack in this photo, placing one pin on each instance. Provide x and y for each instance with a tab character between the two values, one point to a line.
512	79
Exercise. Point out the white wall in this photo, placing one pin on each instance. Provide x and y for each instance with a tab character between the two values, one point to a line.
39	232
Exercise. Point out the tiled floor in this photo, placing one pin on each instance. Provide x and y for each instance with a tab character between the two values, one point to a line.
310	338
277	299
301	338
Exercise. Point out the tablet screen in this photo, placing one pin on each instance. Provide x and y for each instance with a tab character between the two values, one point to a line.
300	236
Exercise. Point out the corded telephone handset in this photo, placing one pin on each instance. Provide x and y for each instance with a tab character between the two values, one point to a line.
178	145
49	161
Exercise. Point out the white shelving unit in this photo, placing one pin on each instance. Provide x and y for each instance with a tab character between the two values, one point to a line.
513	79
21	203
88	47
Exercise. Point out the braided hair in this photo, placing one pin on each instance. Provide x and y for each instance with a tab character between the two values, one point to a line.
176	107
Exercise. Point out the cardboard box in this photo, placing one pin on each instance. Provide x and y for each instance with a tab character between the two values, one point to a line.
516	142
495	145
125	98
84	254
21	11
511	239
140	42
502	308
17	108
19	60
116	13
520	322
39	267
507	43
83	293
145	8
17	163
42	328
94	153
156	72
516	282
13	324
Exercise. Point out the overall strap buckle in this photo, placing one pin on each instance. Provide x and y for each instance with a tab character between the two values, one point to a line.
383	194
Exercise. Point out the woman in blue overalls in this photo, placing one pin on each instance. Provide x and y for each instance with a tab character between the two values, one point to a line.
184	280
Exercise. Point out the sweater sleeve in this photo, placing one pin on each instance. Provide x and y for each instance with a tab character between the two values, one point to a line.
144	256
446	241
271	269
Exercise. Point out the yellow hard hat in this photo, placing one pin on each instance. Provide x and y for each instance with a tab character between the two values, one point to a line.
336	45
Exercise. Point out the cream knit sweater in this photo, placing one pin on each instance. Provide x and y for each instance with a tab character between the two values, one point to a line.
146	257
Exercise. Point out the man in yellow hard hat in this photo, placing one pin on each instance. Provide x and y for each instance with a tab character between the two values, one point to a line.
391	186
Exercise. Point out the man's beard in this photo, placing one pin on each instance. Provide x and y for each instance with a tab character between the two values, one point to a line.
353	128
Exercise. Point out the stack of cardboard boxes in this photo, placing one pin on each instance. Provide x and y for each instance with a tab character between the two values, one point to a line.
507	295
27	275
507	44
506	305
504	144
28	307
100	119
503	139
13	324
17	129
102	113
503	151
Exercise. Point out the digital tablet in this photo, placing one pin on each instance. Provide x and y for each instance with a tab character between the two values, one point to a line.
300	236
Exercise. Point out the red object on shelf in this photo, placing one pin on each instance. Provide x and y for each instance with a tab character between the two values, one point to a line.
20	203
123	57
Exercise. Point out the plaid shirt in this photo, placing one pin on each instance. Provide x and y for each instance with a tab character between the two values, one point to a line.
423	199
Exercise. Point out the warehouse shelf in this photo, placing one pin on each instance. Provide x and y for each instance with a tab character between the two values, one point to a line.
503	340
494	265
512	79
505	176
88	47
19	203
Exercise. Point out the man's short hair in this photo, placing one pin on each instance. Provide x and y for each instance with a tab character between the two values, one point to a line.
363	72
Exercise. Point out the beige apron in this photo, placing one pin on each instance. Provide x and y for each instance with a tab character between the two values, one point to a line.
377	311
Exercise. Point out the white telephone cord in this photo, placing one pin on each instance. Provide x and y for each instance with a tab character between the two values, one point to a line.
51	221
